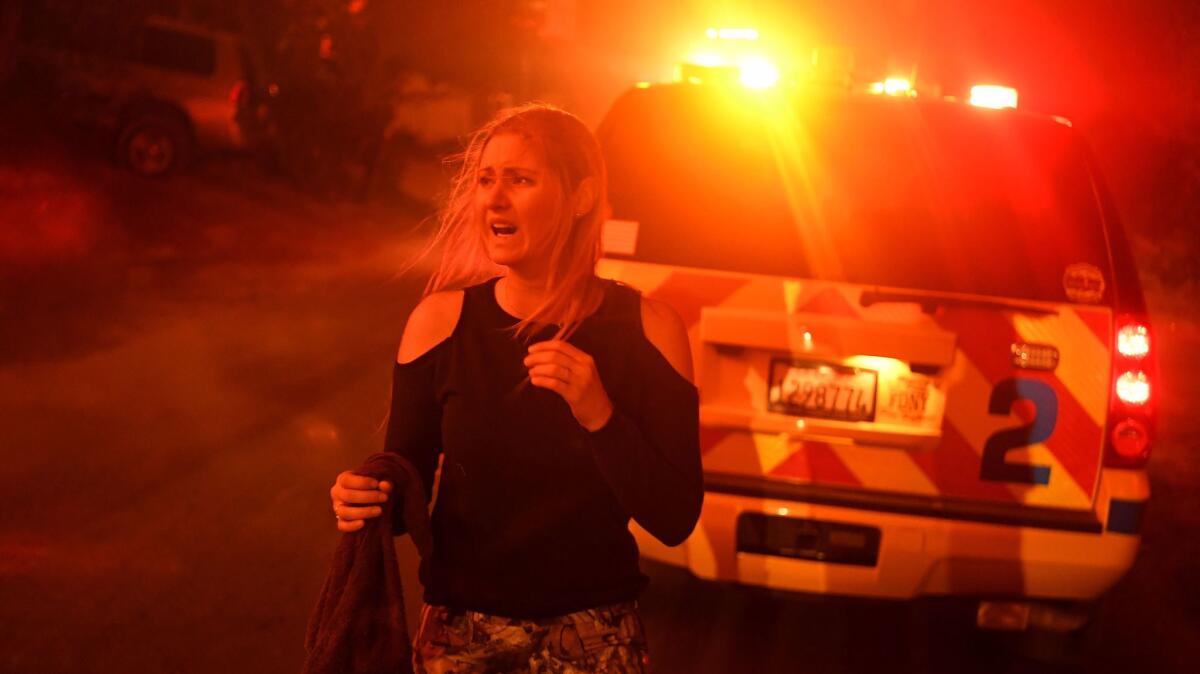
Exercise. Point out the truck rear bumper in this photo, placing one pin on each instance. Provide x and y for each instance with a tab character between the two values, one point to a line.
923	546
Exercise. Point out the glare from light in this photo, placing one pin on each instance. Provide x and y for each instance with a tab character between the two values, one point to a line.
1133	388
642	85
897	86
748	34
759	73
887	367
993	96
738	34
707	59
892	86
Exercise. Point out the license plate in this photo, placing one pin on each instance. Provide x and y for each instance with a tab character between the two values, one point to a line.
824	390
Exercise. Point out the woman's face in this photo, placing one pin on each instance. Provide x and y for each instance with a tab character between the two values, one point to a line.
518	201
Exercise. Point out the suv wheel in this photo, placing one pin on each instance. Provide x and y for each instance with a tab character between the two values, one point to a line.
153	145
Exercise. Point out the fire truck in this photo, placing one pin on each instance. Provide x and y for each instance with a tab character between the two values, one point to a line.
923	355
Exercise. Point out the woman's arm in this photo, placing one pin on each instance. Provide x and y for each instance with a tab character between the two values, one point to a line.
414	428
429	324
651	455
414	420
664	329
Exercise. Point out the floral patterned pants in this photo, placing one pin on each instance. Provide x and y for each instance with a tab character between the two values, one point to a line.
604	640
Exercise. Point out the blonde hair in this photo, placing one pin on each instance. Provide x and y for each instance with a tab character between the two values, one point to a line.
573	156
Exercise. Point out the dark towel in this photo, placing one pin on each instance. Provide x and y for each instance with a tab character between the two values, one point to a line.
358	625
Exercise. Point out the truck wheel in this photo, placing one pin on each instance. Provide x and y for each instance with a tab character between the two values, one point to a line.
153	145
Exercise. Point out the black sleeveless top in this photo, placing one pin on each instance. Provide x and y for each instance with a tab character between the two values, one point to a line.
532	510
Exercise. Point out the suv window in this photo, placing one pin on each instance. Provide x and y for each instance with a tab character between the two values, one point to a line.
176	50
868	190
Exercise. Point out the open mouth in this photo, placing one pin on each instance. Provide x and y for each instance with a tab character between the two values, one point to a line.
503	228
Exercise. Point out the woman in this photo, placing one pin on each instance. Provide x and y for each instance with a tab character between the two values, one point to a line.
561	405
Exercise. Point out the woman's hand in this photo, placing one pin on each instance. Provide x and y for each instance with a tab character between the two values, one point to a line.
571	373
354	497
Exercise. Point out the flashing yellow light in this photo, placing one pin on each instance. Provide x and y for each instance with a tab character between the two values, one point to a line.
694	73
642	85
993	96
759	73
897	86
732	34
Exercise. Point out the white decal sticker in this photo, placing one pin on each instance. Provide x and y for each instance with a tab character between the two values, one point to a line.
1083	283
619	237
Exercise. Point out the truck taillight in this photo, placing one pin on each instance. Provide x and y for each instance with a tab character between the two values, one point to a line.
1133	387
238	92
1131	407
1133	340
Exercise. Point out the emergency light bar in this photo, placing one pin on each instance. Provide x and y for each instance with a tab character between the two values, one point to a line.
993	96
714	63
707	59
754	72
893	86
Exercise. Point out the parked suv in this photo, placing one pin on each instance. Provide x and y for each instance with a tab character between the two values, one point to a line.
922	349
166	90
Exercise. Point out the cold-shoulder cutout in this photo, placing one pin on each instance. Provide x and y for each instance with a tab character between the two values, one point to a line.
431	322
665	331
